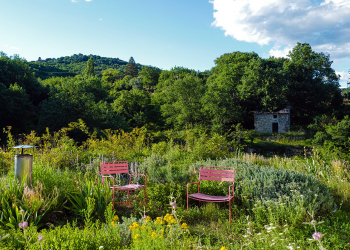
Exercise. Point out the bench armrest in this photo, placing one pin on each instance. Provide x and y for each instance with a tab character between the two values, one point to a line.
233	190
193	183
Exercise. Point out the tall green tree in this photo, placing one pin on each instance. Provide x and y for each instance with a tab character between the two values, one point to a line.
150	76
16	70
110	75
231	85
135	105
16	110
131	68
180	101
313	86
78	98
90	69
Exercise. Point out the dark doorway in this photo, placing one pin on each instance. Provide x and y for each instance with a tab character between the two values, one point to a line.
274	127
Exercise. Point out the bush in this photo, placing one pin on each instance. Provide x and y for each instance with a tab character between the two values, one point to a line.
255	183
161	170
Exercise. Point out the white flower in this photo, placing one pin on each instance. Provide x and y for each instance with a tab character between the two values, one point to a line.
101	247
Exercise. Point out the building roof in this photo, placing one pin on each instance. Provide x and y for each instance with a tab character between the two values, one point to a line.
286	110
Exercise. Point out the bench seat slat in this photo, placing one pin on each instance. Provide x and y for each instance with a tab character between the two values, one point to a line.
115	172
128	187
216	175
206	170
205	197
114	168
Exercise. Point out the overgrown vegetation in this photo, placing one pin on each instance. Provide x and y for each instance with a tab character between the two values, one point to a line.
273	196
98	109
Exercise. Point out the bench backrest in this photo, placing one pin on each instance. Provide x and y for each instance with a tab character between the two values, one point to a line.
217	174
114	167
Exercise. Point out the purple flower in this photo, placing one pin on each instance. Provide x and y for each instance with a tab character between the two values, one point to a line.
172	203
317	236
174	206
23	225
144	217
40	238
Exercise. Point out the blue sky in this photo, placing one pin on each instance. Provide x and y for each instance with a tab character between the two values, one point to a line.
168	33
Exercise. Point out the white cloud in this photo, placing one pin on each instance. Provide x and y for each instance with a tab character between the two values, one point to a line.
325	24
344	78
88	0
15	48
100	19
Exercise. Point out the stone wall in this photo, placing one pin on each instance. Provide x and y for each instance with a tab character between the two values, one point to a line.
263	121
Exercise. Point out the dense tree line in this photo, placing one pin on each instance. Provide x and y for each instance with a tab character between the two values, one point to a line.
123	98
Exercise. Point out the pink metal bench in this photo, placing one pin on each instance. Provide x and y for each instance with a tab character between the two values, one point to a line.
214	174
120	167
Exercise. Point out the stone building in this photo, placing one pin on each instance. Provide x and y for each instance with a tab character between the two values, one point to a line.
272	122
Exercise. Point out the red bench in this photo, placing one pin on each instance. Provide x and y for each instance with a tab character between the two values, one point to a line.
120	167
214	174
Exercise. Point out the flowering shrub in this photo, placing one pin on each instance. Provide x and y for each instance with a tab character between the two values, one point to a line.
161	233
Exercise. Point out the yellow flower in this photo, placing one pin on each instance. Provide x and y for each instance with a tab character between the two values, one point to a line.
136	236
223	248
116	218
148	219
154	234
134	225
169	218
112	223
159	221
184	225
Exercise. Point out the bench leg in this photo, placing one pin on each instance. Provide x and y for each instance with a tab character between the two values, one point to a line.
187	205
230	209
113	197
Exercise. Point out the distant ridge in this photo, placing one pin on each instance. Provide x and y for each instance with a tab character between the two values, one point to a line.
75	65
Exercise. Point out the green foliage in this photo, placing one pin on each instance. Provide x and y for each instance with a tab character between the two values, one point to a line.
222	107
66	237
15	197
17	110
158	196
335	137
109	76
131	68
73	99
254	183
150	76
81	201
135	106
89	70
16	70
313	87
136	83
75	65
181	108
160	170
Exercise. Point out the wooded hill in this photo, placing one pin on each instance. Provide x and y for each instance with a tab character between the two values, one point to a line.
75	65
